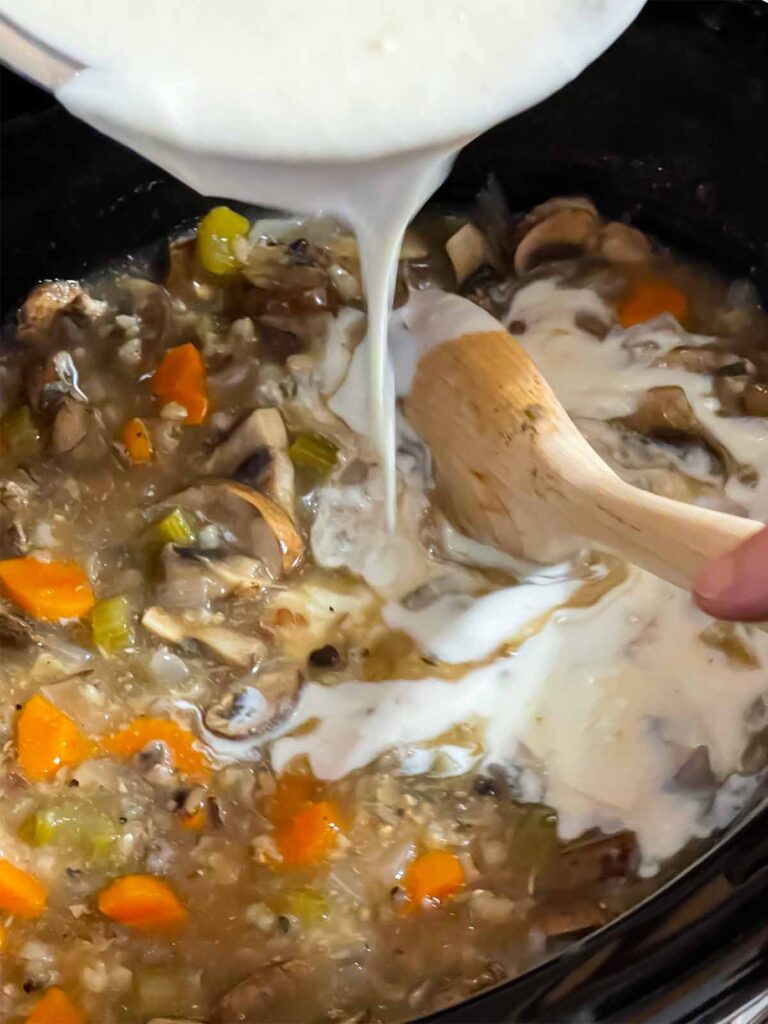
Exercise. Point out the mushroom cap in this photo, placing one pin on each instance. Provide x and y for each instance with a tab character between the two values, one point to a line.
564	234
264	529
254	709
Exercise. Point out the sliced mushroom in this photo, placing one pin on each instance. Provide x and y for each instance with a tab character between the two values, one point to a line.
700	359
288	280
646	465
262	527
46	300
619	243
186	582
54	380
558	203
154	307
256	709
182	266
229	646
307	411
15	630
756	399
731	391
233	573
13	537
277	519
565	234
255	999
14	505
52	300
79	432
468	250
593	324
70	426
256	452
664	413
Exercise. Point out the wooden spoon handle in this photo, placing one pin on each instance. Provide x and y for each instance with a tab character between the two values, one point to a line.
513	470
669	538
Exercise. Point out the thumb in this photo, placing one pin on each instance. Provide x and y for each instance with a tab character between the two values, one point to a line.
735	586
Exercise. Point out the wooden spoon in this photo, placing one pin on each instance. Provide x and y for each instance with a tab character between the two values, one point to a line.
513	470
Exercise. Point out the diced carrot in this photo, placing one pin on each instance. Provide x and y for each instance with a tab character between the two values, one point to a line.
48	739
181	744
181	378
649	297
20	892
47	590
3	936
137	441
309	836
143	902
56	1008
293	791
197	820
433	877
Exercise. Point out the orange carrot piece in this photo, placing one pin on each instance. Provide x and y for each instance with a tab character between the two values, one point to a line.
20	892
197	820
137	441
56	1008
293	791
648	298
3	937
143	902
181	378
309	836
181	744
433	877
48	739
47	590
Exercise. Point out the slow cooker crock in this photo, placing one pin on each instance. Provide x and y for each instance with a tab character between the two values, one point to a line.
669	129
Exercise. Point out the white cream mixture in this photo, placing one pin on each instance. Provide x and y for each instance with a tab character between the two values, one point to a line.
352	107
597	711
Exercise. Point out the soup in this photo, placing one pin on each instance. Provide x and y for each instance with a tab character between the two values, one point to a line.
264	759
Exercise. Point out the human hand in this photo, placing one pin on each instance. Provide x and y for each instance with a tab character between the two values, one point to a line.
735	586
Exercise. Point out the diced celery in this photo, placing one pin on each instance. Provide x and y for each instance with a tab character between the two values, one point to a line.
111	622
20	436
216	237
74	827
37	829
314	451
167	990
175	528
307	905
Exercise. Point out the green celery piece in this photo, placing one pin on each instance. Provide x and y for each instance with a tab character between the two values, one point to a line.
111	622
314	452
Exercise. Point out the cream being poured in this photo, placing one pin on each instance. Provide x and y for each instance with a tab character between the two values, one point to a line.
354	108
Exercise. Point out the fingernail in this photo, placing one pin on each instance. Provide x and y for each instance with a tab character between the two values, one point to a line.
716	581
735	587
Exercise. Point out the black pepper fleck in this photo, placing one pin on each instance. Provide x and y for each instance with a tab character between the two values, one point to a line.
325	657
